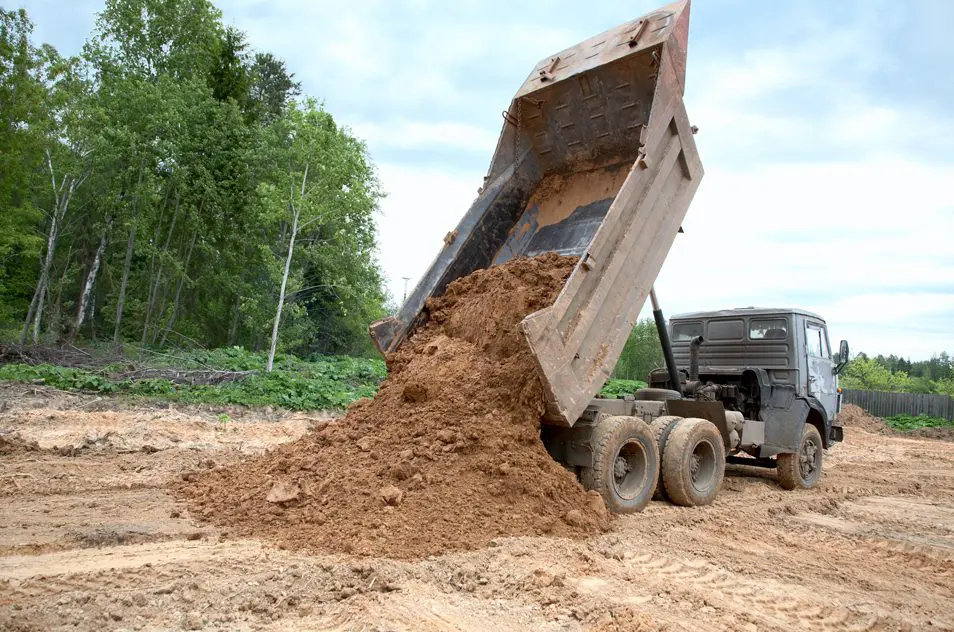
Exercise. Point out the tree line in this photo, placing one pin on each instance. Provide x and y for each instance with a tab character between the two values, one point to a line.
894	373
170	185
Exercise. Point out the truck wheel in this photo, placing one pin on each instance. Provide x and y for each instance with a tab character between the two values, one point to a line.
804	468
625	463
662	427
693	464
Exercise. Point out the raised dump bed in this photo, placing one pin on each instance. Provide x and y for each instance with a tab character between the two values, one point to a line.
596	159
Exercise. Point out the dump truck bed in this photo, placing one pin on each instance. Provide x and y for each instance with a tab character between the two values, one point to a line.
596	159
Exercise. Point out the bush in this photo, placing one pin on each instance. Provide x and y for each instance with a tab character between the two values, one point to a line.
911	422
615	388
325	383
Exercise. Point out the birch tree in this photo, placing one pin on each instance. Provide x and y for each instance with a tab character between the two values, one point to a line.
63	193
306	135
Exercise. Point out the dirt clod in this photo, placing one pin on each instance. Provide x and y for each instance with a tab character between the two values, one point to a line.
415	392
391	495
462	397
283	492
574	518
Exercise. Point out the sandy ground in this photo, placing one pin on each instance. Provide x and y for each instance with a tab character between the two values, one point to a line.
90	540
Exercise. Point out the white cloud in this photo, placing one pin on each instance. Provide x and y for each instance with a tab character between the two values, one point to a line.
422	206
405	134
863	243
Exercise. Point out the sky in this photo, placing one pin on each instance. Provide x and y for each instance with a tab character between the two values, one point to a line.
826	130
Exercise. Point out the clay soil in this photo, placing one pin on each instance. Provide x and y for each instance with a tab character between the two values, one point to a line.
91	538
447	455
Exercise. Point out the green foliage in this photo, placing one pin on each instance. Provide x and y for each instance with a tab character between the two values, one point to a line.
183	143
323	383
910	422
58	377
615	388
891	374
945	387
27	73
641	354
867	374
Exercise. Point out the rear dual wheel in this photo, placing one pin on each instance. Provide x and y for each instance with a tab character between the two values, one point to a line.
662	427
625	463
693	462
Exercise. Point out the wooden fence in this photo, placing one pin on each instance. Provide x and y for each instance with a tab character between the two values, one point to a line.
885	404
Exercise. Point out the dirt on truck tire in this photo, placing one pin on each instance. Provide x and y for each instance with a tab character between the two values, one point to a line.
625	463
662	427
803	469
693	464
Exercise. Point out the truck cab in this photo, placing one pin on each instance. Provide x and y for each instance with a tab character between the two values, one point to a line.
790	347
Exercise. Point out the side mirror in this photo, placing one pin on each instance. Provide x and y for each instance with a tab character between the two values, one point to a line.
842	356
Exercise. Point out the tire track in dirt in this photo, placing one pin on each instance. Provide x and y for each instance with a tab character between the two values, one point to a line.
779	605
870	549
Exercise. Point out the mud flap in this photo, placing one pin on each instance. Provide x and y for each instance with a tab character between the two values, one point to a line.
783	427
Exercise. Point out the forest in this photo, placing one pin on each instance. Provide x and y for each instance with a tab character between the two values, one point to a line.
171	186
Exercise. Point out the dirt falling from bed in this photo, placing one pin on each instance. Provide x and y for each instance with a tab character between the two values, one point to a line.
446	457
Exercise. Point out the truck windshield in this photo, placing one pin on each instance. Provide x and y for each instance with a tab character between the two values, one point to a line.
683	332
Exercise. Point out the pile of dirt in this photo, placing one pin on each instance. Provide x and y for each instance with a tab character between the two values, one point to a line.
14	444
852	416
857	417
446	457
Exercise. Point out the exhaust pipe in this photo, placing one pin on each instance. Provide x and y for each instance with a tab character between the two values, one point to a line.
694	358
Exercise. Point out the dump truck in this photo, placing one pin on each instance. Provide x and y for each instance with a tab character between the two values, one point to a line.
597	159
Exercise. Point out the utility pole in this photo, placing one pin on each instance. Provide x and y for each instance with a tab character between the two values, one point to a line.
406	279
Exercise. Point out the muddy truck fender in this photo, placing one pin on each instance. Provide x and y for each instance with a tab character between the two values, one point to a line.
596	159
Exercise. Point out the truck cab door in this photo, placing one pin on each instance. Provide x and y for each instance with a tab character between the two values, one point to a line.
821	369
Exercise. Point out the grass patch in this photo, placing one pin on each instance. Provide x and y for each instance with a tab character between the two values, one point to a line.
914	422
321	383
613	389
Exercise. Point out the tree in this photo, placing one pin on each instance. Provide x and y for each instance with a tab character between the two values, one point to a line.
868	374
152	38
26	125
229	75
641	354
167	187
326	188
271	87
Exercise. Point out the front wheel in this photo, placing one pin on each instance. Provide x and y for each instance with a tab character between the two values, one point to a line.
625	463
802	469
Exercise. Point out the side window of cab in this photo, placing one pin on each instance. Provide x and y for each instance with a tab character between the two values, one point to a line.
816	341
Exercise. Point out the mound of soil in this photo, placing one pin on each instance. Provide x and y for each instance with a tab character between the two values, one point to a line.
857	417
446	457
853	416
12	444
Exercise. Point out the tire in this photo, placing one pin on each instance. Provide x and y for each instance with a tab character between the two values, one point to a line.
625	463
656	394
662	427
803	469
693	464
